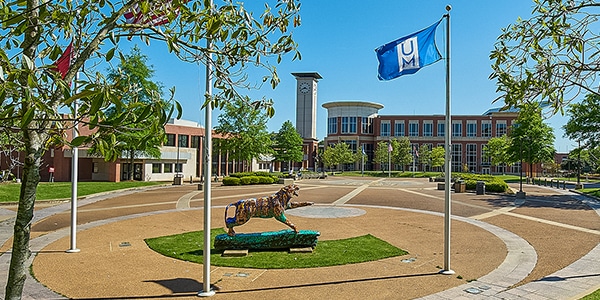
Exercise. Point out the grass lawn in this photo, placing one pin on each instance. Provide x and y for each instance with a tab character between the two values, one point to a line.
188	247
9	192
593	296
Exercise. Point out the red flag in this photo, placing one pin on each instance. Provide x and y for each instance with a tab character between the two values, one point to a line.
64	61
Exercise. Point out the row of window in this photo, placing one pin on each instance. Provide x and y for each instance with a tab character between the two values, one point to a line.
183	140
349	126
167	167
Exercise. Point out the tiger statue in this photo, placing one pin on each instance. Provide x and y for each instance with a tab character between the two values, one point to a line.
264	207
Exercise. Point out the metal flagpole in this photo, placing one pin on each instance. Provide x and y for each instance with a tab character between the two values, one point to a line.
206	290
448	155
74	173
389	160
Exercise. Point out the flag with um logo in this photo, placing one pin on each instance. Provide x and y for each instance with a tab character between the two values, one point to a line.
408	54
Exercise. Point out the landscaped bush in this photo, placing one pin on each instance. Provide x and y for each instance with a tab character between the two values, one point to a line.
492	184
265	179
231	181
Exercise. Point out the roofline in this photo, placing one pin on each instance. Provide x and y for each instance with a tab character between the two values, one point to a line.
352	103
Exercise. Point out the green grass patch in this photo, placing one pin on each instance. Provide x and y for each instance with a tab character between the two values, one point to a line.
9	192
189	247
593	296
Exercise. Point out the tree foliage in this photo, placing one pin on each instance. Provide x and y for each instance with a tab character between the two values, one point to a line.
437	157
146	134
496	151
584	121
401	152
33	94
245	131
287	144
530	138
340	153
551	57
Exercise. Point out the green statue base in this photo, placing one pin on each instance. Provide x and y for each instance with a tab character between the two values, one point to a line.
271	240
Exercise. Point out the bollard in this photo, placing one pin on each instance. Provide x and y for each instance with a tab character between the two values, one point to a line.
545	182
564	184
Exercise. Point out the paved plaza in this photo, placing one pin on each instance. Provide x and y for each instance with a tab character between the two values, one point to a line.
546	247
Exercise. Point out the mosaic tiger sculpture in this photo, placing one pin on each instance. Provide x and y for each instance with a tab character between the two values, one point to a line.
265	207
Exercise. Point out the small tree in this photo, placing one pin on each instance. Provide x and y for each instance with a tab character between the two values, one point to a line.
287	144
338	154
245	129
382	154
531	139
584	122
424	156
496	151
437	157
401	152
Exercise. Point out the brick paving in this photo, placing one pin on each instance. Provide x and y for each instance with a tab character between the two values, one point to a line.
546	248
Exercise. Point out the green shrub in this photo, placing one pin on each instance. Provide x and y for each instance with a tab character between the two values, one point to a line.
245	180
231	181
492	184
265	179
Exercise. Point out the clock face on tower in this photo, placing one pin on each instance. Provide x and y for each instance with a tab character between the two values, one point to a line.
304	87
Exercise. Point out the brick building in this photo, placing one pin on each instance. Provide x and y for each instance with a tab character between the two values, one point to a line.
360	125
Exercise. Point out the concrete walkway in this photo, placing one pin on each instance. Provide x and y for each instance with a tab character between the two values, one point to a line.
571	282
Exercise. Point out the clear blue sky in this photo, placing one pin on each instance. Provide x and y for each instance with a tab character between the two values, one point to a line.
337	39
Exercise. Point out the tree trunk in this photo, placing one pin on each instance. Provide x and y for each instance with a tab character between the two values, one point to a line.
20	249
131	157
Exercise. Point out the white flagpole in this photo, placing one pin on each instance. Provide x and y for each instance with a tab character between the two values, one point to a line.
206	290
448	156
74	175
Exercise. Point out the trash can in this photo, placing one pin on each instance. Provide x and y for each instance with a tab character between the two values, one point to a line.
177	179
460	186
480	188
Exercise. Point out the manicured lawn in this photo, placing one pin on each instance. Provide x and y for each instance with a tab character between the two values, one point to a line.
9	192
593	296
189	247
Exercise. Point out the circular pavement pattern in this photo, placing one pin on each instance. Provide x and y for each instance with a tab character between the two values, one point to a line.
325	212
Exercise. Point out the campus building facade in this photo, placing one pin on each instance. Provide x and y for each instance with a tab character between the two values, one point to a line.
359	124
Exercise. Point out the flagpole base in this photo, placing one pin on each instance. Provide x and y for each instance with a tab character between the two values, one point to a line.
206	294
73	250
447	272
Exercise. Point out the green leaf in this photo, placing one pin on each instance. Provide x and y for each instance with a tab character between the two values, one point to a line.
27	117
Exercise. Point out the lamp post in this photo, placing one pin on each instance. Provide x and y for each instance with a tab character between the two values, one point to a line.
520	193
579	185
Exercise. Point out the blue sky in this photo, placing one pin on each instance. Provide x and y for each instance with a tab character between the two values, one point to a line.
337	39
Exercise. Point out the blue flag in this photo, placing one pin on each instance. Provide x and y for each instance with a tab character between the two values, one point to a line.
408	54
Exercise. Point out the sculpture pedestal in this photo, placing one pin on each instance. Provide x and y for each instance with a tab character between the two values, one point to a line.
271	240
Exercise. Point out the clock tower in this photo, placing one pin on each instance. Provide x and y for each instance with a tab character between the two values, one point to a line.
306	115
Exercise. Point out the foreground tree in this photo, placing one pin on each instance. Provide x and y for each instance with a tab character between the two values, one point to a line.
245	131
33	91
550	58
287	144
437	157
382	155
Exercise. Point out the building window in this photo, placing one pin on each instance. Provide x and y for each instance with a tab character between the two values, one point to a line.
413	128
441	128
196	141
348	124
168	168
184	140
485	160
471	128
472	157
500	128
367	125
95	167
178	167
351	144
399	128
170	140
457	129
332	125
156	168
428	128
385	128
486	129
456	158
